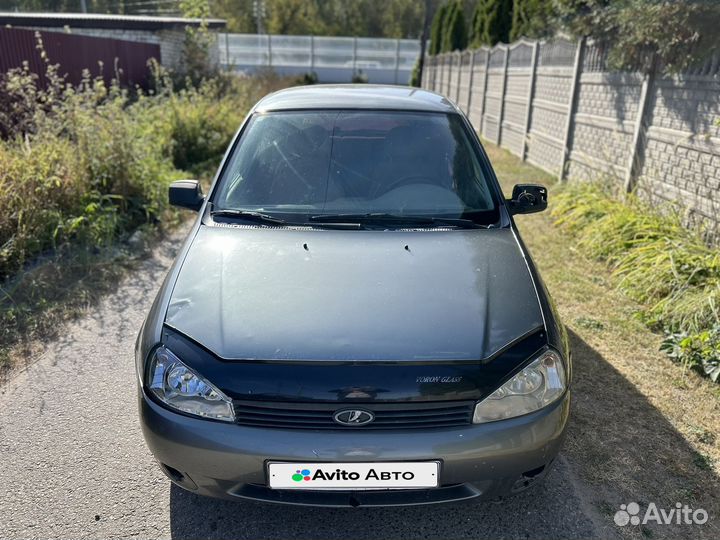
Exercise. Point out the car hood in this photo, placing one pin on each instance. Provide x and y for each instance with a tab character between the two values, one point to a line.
284	294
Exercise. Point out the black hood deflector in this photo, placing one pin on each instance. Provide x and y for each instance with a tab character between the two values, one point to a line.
354	381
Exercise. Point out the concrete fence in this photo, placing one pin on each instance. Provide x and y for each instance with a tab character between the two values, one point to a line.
555	104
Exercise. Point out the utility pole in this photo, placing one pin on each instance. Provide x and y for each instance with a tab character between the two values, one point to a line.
259	12
424	37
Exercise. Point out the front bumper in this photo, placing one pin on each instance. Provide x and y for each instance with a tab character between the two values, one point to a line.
227	460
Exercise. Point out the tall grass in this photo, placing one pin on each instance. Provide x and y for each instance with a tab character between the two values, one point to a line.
656	260
87	165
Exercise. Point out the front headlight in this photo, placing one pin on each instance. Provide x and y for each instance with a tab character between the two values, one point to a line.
538	385
179	387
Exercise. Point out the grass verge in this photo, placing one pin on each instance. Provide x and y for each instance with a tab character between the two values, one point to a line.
666	267
641	429
603	317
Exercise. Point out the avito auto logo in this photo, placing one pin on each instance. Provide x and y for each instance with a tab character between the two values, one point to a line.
302	474
307	475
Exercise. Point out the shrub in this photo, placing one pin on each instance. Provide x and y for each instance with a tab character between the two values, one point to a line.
87	165
657	261
415	75
307	78
359	77
680	33
699	351
202	123
532	19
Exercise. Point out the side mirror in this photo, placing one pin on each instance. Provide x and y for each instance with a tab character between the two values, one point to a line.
186	194
528	199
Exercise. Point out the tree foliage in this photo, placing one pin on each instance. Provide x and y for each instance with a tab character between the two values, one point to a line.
436	30
372	18
454	35
679	32
532	19
491	22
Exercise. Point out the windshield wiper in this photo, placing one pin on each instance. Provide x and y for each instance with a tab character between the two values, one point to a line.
397	220
249	215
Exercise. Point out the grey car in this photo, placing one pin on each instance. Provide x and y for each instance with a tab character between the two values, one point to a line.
353	319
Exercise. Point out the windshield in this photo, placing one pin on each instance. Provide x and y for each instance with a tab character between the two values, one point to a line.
309	164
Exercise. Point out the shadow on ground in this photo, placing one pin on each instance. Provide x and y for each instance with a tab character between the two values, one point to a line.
619	449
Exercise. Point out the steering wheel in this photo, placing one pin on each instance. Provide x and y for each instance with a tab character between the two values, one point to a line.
410	179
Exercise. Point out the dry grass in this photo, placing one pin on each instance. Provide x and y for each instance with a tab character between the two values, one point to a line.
58	287
642	428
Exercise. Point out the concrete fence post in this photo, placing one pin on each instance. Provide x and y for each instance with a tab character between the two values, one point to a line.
485	87
443	74
459	76
397	59
312	53
530	97
470	82
269	50
502	95
448	78
433	74
428	69
227	52
439	70
354	60
572	107
639	130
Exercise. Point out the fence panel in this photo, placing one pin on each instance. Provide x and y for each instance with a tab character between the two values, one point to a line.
556	104
517	85
465	82
681	154
553	82
495	89
109	58
477	101
333	59
440	85
454	84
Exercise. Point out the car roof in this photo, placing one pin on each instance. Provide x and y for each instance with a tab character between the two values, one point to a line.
355	96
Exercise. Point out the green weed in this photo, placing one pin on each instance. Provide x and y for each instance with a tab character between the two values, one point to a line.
665	266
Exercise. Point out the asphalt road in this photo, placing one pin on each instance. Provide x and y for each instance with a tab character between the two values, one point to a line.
74	463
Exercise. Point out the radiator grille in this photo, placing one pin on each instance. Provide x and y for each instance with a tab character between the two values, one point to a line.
294	415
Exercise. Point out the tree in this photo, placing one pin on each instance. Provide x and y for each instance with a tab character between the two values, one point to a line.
476	27
454	35
436	30
293	17
403	18
677	34
491	22
237	13
532	19
419	67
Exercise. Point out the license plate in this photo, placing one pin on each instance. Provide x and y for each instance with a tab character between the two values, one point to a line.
396	475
